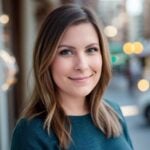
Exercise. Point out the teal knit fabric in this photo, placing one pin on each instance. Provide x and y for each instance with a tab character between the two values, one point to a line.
30	135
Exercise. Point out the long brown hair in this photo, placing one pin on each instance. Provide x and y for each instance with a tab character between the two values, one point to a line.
44	99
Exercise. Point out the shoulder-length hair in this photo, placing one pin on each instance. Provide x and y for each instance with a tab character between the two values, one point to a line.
44	99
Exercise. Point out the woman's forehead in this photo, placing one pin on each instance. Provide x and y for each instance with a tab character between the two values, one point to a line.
80	32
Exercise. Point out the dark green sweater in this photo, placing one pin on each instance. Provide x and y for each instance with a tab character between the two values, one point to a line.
30	135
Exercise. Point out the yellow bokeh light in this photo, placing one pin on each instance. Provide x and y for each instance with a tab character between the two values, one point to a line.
4	19
128	48
133	48
143	85
138	47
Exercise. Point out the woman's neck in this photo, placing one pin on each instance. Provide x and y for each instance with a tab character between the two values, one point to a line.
74	106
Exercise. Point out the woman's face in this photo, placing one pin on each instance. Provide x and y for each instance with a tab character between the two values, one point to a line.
76	68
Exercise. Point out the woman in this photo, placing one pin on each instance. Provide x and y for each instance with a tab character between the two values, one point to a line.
72	71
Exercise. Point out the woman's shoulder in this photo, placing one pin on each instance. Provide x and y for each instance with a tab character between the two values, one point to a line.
25	125
122	119
115	106
24	122
28	127
31	133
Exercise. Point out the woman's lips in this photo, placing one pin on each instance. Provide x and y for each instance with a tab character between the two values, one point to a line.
80	78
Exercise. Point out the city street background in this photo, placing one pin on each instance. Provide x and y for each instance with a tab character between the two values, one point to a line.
126	25
139	129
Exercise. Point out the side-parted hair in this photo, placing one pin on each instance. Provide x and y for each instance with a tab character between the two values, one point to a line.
44	97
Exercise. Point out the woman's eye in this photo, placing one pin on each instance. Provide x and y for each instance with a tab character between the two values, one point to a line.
65	52
92	50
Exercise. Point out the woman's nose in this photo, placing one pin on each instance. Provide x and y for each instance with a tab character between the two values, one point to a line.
81	63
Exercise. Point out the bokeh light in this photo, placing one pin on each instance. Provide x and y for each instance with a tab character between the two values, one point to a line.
4	19
128	48
114	59
133	48
143	85
138	47
9	68
110	31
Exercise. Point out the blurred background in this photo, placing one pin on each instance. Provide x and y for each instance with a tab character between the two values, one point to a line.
126	25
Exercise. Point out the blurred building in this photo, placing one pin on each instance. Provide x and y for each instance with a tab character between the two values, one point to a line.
146	19
135	14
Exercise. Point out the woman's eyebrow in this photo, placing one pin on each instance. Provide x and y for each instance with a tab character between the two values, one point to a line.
68	46
92	44
72	47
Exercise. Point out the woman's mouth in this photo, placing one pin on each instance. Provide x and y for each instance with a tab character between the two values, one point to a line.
80	78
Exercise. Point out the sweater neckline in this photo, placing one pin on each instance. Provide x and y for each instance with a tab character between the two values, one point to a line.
79	117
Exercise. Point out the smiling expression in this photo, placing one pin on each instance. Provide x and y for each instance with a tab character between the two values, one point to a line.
76	68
